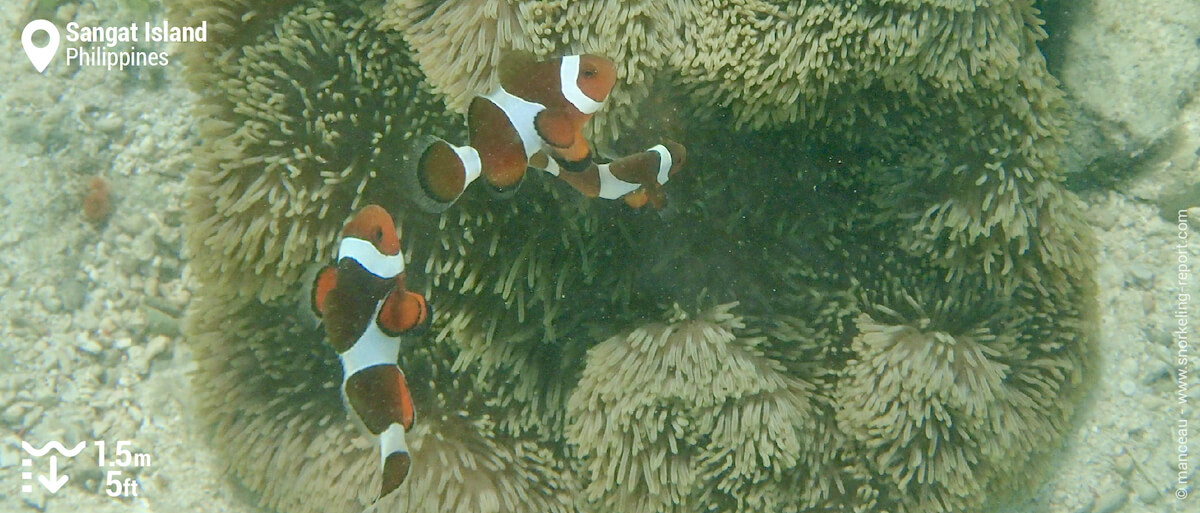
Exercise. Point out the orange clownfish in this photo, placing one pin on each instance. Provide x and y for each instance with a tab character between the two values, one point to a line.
636	178
537	116
364	307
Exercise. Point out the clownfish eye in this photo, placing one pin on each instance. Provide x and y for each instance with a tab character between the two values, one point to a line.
590	72
378	234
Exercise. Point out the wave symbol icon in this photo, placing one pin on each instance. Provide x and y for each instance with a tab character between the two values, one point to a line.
38	453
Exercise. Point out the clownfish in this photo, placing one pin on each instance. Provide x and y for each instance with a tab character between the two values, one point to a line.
364	306
536	116
636	178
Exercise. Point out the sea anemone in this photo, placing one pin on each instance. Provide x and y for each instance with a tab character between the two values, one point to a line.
876	190
685	415
300	126
272	399
458	44
950	393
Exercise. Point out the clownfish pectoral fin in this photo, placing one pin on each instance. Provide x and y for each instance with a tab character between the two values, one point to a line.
310	312
439	172
404	312
564	137
324	281
555	127
636	199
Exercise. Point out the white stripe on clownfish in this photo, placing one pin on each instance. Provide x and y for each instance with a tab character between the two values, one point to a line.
609	186
370	258
612	187
664	163
513	122
373	347
470	159
392	441
552	167
522	114
526	119
568	73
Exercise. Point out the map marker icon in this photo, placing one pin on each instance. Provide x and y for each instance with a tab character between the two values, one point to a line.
40	57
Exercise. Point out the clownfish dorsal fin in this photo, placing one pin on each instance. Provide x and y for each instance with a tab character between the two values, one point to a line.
515	68
532	80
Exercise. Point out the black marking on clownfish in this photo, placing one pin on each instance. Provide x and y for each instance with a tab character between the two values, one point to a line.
577	166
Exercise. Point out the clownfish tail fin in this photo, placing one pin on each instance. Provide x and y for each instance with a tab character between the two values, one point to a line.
393	448
438	172
378	397
671	156
677	155
395	470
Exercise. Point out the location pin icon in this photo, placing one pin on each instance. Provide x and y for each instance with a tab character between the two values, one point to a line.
40	57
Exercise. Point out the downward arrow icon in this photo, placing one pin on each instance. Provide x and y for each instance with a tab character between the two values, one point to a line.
55	481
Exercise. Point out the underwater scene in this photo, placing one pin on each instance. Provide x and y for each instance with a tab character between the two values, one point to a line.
673	256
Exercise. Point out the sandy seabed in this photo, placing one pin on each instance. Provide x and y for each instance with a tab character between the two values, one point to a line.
90	312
